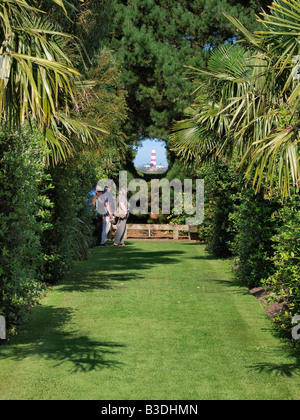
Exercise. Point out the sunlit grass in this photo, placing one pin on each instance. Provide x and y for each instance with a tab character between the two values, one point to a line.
153	320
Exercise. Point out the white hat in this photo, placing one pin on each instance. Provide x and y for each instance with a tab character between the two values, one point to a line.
98	188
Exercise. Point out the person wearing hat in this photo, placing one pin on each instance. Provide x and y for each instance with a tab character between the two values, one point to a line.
97	206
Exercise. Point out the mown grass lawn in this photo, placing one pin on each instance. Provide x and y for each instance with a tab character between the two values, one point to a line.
151	321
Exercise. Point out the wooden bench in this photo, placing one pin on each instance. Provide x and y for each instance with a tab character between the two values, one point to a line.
192	230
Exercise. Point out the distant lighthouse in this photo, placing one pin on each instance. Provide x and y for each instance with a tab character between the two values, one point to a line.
153	158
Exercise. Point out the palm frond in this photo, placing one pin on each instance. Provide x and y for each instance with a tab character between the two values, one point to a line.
247	101
275	158
37	79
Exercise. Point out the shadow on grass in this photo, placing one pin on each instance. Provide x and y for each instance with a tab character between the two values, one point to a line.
46	337
232	283
276	369
109	265
47	340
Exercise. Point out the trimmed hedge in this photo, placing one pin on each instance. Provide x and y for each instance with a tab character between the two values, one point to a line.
254	228
45	221
260	235
283	285
23	208
221	186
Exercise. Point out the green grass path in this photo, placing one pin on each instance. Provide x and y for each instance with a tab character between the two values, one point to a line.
153	320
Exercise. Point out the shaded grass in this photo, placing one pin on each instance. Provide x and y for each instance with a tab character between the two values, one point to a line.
153	320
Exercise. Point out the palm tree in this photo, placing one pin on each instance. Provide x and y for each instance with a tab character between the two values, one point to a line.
38	82
248	102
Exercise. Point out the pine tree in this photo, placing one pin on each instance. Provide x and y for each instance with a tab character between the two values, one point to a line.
155	39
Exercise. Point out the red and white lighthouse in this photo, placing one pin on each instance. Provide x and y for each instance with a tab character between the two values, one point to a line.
153	158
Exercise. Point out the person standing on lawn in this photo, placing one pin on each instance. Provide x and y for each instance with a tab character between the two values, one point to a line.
108	216
97	207
123	213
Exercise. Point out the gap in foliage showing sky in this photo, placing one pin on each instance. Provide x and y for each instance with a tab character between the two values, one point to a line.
143	155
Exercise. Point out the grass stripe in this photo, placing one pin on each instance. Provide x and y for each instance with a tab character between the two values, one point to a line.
153	320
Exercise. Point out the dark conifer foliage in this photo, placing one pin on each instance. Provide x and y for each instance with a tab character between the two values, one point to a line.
155	39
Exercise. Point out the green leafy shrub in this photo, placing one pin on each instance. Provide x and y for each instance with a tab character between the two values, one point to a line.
69	235
238	223
254	228
221	184
284	284
45	220
22	220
